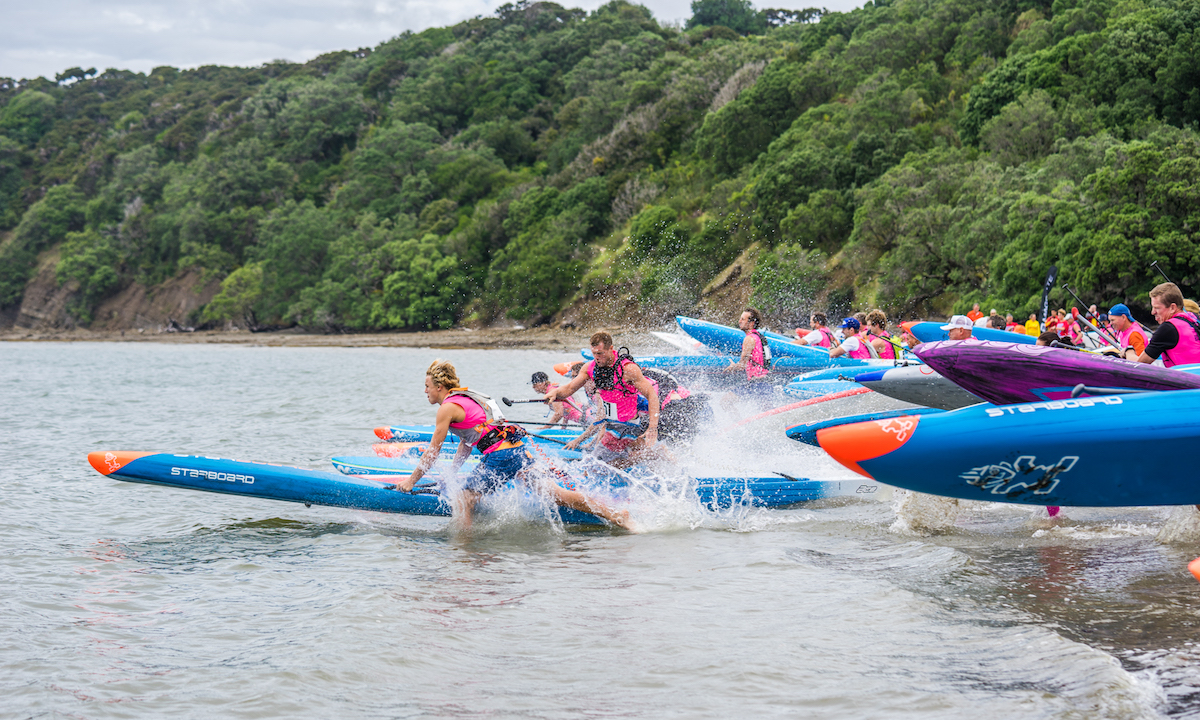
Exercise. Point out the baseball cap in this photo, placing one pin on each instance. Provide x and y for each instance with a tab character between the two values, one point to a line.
1120	309
959	321
539	377
850	323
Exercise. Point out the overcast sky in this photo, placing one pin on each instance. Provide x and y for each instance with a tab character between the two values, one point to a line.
45	37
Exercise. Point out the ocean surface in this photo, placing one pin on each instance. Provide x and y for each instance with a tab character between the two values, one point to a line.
124	600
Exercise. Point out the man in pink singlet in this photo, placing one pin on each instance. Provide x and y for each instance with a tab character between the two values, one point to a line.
618	381
755	353
1177	339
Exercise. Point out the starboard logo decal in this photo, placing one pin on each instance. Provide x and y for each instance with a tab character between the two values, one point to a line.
1022	475
900	426
111	461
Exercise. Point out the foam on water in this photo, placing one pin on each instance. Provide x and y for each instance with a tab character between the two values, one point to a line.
921	514
1182	526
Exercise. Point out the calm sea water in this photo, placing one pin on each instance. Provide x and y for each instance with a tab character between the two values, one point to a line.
123	600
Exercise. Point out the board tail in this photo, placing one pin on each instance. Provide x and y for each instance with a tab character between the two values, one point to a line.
107	462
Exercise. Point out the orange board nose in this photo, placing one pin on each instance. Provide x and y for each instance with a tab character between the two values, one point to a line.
851	444
107	462
1194	567
395	450
383	432
563	368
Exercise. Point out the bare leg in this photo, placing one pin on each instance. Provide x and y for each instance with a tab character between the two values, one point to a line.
583	503
464	507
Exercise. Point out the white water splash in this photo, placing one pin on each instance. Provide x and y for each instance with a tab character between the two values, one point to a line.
921	514
1183	526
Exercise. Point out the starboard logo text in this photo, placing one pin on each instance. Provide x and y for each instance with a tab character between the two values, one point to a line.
1020	476
212	475
1054	405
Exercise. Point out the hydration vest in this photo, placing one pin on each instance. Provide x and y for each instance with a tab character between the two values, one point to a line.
620	398
760	357
1187	350
827	339
669	389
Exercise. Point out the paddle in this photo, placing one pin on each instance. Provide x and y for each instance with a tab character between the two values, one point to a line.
1103	335
540	422
803	403
510	403
1075	316
1081	388
1160	271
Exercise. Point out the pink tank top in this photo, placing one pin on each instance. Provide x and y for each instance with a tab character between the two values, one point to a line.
861	353
475	414
1187	350
1124	335
889	350
571	411
757	367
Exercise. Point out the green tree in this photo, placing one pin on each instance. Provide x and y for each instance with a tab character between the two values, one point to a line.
88	259
737	15
240	293
28	116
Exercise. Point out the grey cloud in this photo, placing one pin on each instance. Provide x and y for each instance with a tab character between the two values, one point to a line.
45	38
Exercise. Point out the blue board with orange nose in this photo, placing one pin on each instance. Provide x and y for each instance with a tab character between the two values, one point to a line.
281	482
1109	451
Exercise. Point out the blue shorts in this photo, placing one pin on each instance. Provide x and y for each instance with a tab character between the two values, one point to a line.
495	470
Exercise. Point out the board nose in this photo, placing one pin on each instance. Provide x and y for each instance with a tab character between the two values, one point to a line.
852	444
383	432
107	462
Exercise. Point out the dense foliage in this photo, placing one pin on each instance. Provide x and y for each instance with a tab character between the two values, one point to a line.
916	155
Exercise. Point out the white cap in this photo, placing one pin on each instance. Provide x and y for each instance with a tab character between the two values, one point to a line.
959	321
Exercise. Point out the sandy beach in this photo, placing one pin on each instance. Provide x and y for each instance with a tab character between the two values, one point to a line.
541	338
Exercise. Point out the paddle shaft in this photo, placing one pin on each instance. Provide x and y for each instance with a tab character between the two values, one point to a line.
1160	271
539	422
803	403
510	403
1081	389
1103	335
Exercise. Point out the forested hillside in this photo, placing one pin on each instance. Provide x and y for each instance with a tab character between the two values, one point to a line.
917	155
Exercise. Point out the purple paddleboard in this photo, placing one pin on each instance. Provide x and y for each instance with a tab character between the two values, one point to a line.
1006	373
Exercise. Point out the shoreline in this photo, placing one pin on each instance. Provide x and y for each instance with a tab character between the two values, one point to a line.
540	338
